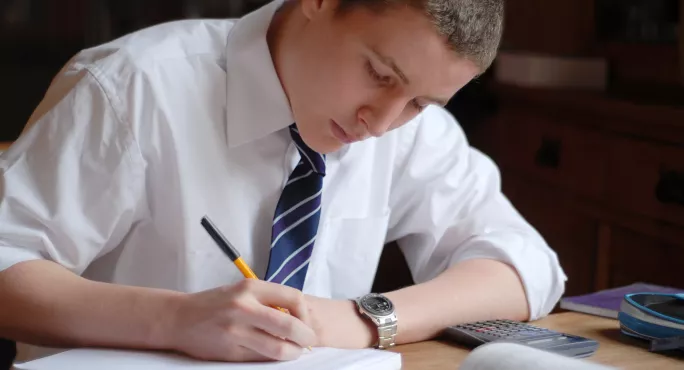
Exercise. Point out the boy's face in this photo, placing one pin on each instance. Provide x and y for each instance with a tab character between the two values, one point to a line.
361	74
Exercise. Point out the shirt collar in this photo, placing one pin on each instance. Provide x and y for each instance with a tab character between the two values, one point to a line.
256	102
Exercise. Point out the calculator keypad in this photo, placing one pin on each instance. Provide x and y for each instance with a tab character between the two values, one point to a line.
499	329
478	333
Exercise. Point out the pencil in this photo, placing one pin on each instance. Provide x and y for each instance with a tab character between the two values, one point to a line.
228	248
232	253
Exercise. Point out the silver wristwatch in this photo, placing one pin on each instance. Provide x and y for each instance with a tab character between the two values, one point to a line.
380	311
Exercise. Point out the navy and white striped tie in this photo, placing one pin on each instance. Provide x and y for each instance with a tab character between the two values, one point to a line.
295	222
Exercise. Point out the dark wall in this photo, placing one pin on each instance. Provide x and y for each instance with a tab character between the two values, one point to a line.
37	37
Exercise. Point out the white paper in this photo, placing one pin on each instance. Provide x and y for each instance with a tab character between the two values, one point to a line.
513	356
106	359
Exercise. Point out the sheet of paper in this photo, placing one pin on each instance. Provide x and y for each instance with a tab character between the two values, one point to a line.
514	356
105	359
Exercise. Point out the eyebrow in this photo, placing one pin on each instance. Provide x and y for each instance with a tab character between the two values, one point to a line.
389	62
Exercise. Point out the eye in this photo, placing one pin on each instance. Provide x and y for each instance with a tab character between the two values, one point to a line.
375	75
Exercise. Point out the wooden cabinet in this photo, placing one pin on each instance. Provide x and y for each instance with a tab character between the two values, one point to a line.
638	257
601	179
572	234
550	148
647	178
561	27
643	41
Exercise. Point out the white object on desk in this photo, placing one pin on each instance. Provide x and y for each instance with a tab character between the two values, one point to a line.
513	356
106	359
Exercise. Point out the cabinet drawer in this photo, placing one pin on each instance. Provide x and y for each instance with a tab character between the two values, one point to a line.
647	179
572	235
635	257
569	157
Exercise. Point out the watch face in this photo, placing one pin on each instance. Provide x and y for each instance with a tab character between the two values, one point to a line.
378	305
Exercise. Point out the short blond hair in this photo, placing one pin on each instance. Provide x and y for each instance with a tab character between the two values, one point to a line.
473	28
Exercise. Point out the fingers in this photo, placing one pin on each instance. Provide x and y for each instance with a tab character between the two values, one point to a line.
234	353
271	294
272	347
283	325
238	323
260	313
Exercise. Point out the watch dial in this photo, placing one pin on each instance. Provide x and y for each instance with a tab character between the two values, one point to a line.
378	305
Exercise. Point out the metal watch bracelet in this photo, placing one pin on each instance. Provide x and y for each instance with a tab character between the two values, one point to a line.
386	334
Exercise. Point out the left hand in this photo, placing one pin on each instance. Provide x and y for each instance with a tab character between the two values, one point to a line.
338	324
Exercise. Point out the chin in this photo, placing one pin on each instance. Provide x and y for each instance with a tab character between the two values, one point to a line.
320	143
327	148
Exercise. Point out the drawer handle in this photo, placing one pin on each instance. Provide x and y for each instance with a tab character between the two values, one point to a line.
549	153
670	188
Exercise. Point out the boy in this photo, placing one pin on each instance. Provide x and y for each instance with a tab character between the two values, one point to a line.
311	133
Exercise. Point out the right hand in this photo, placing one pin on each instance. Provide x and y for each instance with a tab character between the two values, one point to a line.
235	323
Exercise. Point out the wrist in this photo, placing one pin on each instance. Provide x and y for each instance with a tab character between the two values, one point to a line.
339	324
165	322
368	331
378	310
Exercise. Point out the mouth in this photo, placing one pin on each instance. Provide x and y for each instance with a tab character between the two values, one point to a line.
341	134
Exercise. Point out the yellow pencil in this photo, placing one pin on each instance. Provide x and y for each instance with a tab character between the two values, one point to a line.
232	253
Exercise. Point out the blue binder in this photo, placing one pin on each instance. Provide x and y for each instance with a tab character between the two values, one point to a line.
655	317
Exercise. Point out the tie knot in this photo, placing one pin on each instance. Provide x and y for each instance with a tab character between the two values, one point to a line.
314	160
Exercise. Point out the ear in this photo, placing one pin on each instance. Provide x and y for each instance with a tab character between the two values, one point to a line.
312	8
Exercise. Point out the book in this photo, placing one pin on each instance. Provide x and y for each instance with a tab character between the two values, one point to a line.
113	359
606	303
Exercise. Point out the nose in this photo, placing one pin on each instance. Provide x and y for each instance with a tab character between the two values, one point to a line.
379	116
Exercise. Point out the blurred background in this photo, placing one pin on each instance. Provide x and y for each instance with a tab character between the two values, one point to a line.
582	111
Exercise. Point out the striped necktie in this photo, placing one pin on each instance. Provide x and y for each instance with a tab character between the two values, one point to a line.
295	222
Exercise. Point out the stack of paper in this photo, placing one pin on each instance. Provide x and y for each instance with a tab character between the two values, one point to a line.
105	359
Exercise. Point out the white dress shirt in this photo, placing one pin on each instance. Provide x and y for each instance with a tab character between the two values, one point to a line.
139	138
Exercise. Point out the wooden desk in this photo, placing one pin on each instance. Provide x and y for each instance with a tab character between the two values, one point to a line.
615	349
4	145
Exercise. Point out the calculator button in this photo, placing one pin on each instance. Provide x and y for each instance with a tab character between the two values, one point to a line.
528	333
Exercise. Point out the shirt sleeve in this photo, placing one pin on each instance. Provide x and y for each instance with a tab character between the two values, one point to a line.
447	207
71	185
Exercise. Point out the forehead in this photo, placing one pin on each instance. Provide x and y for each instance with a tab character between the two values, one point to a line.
409	37
391	19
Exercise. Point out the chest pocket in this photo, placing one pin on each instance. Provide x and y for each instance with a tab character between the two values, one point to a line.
345	266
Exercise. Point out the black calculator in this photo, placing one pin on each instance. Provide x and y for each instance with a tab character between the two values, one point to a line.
478	333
